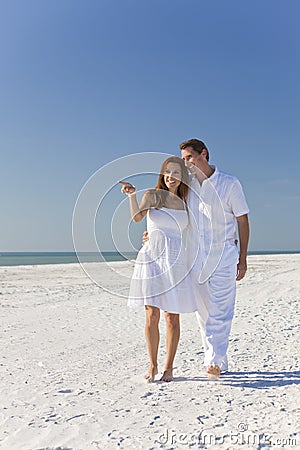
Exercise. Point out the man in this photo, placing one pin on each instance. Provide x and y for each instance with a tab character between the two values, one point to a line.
217	204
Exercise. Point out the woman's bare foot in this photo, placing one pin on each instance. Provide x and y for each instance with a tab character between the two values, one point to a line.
167	375
150	375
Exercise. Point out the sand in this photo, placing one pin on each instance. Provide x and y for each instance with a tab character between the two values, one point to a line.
73	358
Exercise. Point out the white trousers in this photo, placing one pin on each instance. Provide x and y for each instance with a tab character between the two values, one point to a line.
215	308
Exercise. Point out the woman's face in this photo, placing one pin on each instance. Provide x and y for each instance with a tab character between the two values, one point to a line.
172	176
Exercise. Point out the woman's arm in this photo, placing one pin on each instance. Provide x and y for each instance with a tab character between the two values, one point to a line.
137	211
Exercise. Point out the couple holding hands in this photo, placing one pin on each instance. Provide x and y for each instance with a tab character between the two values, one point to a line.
190	261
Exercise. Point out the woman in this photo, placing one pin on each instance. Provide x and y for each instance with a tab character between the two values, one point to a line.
159	280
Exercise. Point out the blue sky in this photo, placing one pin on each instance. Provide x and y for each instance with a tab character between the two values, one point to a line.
86	82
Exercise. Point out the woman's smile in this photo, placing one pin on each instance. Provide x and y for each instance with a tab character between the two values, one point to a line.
172	176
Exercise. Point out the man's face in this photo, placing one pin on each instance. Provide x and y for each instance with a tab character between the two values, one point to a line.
191	157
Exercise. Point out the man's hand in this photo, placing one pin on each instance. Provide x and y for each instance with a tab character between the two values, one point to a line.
241	269
145	237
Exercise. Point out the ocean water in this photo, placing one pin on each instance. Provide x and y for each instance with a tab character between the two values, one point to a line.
37	258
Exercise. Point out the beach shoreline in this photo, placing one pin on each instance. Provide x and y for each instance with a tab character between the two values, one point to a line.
16	259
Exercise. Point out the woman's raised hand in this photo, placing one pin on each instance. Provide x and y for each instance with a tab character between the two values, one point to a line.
127	188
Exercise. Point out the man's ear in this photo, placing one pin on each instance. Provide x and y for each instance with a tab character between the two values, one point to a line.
204	154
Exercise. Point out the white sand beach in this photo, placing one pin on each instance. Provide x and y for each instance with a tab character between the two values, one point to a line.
73	358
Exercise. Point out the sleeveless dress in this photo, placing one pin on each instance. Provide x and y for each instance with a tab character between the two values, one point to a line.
161	276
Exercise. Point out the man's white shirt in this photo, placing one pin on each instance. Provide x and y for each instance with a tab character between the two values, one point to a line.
214	207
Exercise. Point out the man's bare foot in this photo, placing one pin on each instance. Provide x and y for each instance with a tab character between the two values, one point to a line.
167	375
213	372
150	375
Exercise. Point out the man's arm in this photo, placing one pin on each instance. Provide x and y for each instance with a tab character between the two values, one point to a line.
243	229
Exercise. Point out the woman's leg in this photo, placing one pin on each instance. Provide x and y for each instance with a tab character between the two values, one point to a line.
172	339
152	339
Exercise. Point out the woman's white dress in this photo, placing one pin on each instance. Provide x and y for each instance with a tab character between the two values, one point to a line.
161	276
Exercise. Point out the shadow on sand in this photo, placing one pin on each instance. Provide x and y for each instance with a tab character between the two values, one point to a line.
253	380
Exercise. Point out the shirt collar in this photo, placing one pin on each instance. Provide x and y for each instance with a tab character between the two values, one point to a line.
215	174
194	179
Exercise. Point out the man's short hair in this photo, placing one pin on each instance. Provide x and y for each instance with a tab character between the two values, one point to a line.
196	145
